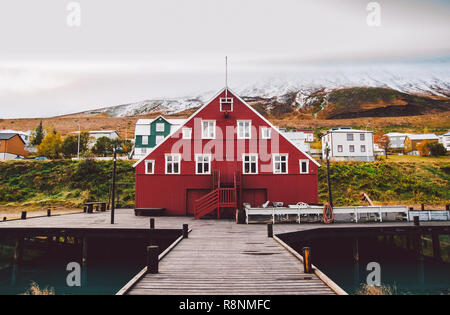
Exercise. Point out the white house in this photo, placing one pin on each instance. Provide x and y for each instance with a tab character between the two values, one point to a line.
445	140
347	144
300	138
94	135
396	140
25	135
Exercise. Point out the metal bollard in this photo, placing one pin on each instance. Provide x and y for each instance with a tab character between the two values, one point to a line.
416	220
152	259
185	230
49	213
307	264
270	230
24	215
422	207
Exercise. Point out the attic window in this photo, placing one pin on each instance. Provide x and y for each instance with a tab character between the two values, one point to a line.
226	104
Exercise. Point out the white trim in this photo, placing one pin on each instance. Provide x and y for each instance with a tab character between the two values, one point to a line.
249	129
179	163
159	124
243	163
300	166
264	128
226	100
243	102
186	129
209	167
214	129
146	142
146	167
273	163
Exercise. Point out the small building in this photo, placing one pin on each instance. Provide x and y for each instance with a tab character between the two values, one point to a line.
300	139
396	140
12	146
412	141
151	132
445	140
25	135
347	144
94	135
226	154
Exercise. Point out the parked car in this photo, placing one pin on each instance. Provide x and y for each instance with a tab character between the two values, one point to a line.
40	158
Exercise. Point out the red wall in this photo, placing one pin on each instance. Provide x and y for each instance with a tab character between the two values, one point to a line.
160	190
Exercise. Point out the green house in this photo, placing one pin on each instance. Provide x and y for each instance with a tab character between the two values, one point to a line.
151	132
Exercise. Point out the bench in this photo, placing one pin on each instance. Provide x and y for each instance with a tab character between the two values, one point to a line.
99	206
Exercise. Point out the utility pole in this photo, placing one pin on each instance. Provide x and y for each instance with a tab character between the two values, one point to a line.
330	198
79	134
113	182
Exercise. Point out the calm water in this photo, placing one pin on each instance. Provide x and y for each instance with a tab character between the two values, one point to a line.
111	264
400	268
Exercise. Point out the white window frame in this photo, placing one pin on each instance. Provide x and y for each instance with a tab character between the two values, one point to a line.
307	166
186	133
243	133
226	100
350	148
340	148
263	132
158	125
159	137
203	162
350	135
250	162
146	140
362	137
147	162
208	135
274	156
178	156
363	146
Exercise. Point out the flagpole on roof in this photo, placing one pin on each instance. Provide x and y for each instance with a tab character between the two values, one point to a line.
226	76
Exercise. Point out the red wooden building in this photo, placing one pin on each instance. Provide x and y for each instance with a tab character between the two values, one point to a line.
224	155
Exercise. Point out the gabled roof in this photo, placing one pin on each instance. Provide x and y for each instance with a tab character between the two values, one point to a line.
243	102
7	136
427	136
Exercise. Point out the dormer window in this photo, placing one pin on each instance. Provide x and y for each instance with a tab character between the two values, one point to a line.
226	104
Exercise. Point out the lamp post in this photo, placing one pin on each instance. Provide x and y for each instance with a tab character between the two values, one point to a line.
114	182
330	198
79	134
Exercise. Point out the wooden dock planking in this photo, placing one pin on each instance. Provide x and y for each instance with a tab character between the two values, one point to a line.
222	258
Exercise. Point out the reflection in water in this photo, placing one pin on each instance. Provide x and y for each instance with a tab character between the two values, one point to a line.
408	265
111	263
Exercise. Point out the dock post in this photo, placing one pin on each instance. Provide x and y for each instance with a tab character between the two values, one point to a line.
411	208
447	207
307	265
152	223
49	213
4	219
270	230
436	247
422	207
416	220
356	260
24	215
152	259
84	261
185	230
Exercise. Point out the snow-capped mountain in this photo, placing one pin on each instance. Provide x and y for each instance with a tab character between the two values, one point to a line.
427	79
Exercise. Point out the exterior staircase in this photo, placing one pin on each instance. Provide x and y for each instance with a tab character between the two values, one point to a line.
222	196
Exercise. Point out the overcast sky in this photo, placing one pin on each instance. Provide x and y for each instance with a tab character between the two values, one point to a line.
126	51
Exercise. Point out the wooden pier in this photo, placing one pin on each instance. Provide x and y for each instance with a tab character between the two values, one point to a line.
220	256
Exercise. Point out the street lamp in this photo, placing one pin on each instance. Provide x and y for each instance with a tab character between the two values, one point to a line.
113	195
330	198
79	134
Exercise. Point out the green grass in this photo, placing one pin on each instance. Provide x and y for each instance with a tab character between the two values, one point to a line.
398	180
